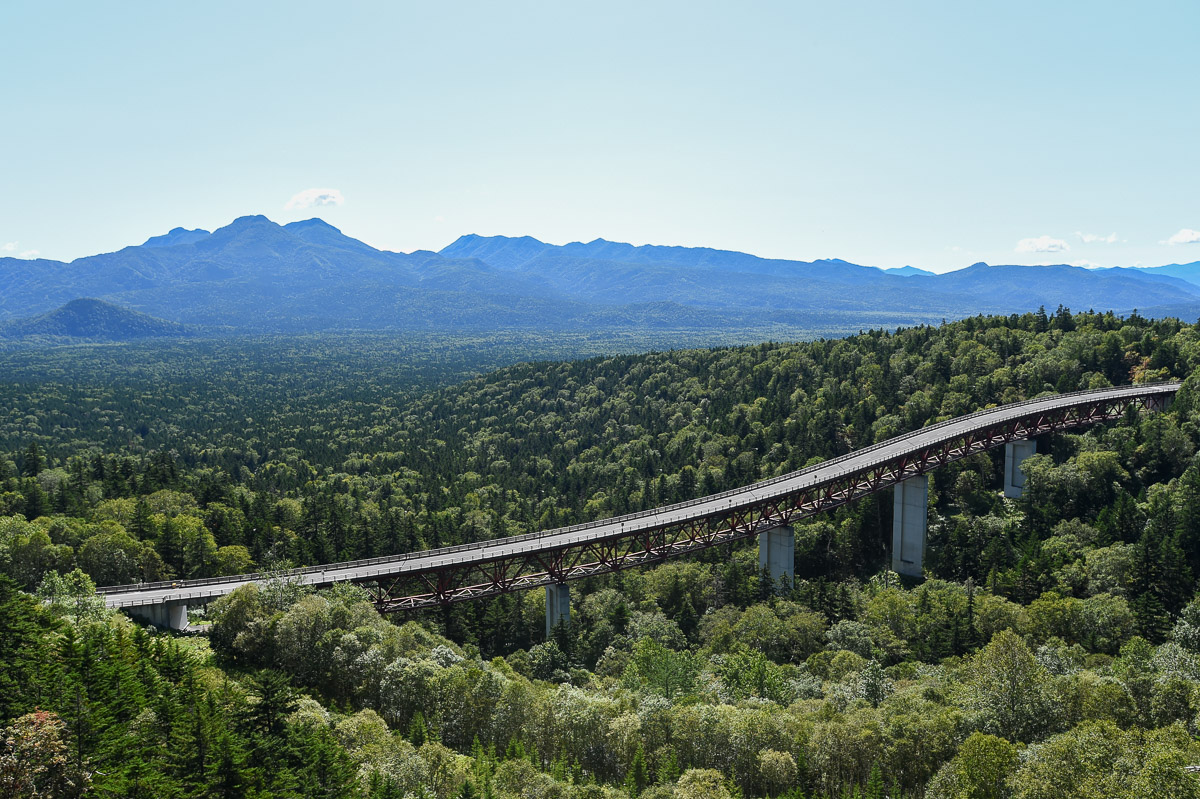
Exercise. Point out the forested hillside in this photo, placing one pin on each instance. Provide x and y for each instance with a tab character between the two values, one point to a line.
1054	648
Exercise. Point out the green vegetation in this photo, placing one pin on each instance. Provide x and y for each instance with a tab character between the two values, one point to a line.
1053	650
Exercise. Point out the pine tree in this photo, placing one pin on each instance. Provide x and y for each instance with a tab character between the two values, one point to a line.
668	767
636	778
276	700
874	788
227	768
33	461
970	637
417	732
21	650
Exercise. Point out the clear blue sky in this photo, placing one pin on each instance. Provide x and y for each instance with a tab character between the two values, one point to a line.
932	134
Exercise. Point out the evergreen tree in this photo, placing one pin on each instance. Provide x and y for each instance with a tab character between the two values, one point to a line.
22	626
33	460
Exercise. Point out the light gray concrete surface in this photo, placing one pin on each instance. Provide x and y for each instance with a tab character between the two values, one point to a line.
558	606
777	553
1016	453
910	522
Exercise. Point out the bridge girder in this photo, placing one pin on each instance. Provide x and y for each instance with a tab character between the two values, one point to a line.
460	582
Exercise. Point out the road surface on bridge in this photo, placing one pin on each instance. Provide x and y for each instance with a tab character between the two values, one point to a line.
624	527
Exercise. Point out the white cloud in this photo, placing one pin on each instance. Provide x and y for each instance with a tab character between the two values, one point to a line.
9	247
1184	236
30	254
1042	244
310	197
1086	264
1094	238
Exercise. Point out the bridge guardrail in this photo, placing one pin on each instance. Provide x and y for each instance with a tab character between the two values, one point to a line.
1058	400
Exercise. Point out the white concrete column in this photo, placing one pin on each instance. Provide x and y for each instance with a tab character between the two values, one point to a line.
777	553
1016	453
910	506
558	606
167	616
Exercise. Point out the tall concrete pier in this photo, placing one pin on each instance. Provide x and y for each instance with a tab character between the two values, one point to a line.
558	606
777	553
1016	453
910	518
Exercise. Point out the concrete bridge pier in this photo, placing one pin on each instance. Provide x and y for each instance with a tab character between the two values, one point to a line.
777	553
1016	453
558	606
167	616
910	520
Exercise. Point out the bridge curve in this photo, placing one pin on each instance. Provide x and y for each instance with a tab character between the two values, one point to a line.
487	568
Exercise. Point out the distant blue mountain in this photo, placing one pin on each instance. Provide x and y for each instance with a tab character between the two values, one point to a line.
93	320
604	271
256	275
909	271
1073	286
1189	272
176	236
515	254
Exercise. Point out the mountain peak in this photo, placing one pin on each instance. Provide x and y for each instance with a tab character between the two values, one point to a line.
89	318
319	232
498	251
908	271
316	223
250	220
176	236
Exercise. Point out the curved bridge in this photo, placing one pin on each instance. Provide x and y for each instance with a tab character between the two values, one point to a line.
550	558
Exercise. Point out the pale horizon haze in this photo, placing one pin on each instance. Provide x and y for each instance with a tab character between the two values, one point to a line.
930	134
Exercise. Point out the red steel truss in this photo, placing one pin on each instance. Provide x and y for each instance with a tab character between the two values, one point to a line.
557	563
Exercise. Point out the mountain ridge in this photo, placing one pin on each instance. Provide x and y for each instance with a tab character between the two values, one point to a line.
92	319
255	275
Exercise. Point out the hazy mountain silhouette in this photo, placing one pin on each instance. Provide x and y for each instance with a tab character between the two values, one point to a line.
256	275
93	319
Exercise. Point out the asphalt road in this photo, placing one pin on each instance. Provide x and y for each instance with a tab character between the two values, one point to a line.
200	591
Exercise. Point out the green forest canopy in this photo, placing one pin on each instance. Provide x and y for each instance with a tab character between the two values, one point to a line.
1054	646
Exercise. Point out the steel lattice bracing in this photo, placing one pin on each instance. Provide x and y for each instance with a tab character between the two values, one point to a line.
489	568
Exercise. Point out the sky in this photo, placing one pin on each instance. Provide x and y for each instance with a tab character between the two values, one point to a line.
930	134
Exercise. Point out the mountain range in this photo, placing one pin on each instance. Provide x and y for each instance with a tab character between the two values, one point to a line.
254	275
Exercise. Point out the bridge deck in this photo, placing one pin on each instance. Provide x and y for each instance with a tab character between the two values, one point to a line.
718	505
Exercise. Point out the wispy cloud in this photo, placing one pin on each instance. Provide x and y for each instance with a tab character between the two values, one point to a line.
1095	238
1042	244
9	250
1184	236
310	197
1086	264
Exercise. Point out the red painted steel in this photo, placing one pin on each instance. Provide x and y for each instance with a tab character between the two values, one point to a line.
487	568
459	582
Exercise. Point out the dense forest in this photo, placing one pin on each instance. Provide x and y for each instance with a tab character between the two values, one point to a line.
1053	648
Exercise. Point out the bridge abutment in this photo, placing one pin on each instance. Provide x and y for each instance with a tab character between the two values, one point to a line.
910	520
1016	453
167	616
777	553
558	606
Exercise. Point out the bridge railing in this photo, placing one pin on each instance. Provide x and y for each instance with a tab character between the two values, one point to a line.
1058	401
